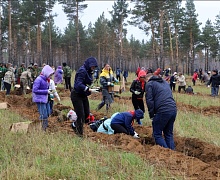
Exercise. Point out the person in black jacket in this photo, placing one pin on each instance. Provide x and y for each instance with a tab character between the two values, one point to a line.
81	91
162	110
173	80
215	81
138	88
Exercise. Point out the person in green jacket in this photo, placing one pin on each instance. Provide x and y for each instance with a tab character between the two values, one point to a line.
67	73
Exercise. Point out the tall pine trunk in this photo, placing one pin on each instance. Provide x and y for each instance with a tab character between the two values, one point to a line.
1	56
9	33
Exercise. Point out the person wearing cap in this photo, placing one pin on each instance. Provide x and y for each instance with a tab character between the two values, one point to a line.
35	72
24	78
138	89
81	91
9	79
123	122
21	69
173	80
214	82
162	110
40	93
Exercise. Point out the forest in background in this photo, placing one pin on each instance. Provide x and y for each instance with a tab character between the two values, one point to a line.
28	34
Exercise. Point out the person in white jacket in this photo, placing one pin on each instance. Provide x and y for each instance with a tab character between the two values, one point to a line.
53	94
182	82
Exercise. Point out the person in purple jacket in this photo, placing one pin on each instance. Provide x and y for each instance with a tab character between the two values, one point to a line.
81	91
58	75
40	93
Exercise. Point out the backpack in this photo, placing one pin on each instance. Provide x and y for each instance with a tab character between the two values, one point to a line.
94	126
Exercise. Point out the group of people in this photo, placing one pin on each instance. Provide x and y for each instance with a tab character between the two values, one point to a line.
161	105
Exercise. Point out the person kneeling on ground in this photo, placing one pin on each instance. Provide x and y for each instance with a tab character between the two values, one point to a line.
105	127
122	122
71	115
189	90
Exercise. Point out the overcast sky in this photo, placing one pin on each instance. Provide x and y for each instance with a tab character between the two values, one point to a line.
205	10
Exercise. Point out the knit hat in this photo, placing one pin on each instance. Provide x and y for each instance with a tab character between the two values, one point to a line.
139	114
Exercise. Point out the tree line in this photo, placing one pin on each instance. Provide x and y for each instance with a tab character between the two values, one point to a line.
28	34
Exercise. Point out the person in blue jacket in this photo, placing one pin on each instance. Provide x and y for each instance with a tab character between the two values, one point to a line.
122	122
81	91
162	110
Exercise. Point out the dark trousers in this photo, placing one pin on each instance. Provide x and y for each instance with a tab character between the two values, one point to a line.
118	128
163	123
194	82
181	87
118	77
7	87
81	107
172	86
138	103
68	82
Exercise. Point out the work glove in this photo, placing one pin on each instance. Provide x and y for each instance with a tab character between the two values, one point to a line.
208	86
136	136
94	90
108	83
137	92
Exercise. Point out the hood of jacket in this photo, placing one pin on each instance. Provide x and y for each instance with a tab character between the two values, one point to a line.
141	74
156	78
91	61
47	71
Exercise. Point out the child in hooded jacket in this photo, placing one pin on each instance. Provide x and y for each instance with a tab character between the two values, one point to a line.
123	122
138	88
40	93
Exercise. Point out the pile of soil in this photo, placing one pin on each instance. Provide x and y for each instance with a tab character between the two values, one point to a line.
192	159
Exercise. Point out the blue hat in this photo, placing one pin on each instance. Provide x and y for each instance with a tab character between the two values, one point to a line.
139	114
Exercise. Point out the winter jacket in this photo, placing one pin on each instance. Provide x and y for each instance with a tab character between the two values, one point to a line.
58	75
214	80
105	127
139	86
53	88
173	79
181	80
195	76
159	96
105	77
9	76
126	120
26	75
41	85
83	77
